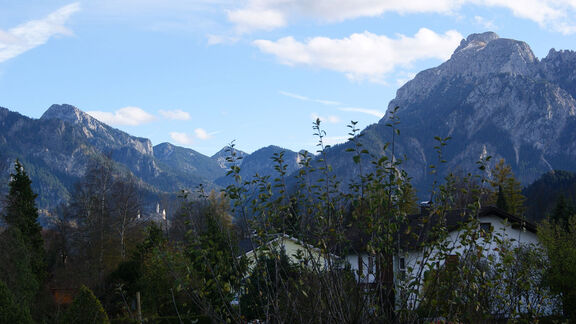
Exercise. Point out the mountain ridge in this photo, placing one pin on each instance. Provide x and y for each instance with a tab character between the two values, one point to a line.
57	148
493	97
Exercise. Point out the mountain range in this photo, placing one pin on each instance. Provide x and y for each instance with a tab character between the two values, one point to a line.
493	97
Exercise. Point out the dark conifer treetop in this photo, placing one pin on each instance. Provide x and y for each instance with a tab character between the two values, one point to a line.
21	213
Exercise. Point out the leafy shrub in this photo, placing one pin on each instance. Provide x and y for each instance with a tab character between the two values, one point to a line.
85	308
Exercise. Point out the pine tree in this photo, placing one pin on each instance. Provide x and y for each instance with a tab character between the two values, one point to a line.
16	269
562	212
501	202
21	213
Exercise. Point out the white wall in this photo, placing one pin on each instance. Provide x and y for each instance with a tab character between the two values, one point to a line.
418	262
368	274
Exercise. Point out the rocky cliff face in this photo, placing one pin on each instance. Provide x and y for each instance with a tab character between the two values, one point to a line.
493	97
96	132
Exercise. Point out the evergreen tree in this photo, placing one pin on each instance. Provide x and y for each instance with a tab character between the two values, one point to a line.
22	214
15	267
10	310
562	212
501	202
86	308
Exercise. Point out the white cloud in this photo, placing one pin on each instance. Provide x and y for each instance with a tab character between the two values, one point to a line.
558	15
269	14
247	20
155	6
189	139
330	119
175	114
304	98
486	24
363	56
221	39
202	134
182	138
403	77
372	112
34	33
130	116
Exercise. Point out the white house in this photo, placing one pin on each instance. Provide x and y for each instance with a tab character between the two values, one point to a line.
490	222
485	230
297	251
484	235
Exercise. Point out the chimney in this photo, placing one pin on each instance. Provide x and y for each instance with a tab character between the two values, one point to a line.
425	207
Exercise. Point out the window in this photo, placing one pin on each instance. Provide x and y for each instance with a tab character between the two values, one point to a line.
485	229
452	262
370	264
402	264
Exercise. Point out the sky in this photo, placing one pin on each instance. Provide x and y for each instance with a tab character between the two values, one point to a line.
205	73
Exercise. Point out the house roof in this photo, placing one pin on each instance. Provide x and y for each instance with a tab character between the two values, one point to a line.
512	219
248	244
418	228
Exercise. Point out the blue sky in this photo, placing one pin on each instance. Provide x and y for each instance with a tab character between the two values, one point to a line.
202	73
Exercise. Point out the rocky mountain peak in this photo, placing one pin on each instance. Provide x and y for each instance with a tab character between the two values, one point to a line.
73	115
96	131
476	41
487	53
165	149
479	56
220	157
493	97
560	67
65	112
553	54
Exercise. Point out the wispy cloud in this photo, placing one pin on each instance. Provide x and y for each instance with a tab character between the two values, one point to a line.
129	116
364	56
372	112
189	139
34	33
329	119
486	24
182	138
221	39
175	114
250	19
304	98
269	14
403	77
557	15
202	134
